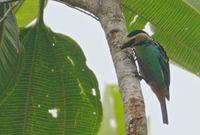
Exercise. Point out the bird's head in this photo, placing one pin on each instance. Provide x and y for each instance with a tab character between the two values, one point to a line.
136	37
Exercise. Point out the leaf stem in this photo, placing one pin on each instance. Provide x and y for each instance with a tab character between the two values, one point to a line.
41	12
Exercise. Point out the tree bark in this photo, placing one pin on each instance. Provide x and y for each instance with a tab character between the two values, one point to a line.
91	6
112	21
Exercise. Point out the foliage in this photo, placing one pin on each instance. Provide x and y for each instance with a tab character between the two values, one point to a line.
194	4
23	14
113	119
175	25
54	92
10	50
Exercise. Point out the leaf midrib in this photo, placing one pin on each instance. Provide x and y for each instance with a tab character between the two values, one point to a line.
30	80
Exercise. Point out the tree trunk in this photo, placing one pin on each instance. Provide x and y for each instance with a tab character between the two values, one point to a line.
112	21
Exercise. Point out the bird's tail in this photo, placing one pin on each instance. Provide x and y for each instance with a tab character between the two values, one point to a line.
164	111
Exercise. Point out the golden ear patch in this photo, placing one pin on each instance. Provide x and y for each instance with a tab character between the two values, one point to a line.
140	37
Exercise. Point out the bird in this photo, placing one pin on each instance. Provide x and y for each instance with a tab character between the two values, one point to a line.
153	65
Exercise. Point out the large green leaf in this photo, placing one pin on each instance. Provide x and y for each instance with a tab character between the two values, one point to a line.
10	51
176	27
113	119
26	11
56	93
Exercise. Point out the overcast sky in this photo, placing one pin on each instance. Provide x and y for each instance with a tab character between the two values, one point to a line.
183	109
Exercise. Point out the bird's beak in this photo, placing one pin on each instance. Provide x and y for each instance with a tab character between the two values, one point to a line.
128	42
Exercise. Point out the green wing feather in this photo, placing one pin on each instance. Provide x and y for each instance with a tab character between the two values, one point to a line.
164	62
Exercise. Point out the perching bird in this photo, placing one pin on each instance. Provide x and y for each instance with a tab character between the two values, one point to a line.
153	65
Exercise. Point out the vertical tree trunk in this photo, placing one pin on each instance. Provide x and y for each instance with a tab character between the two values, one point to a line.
113	23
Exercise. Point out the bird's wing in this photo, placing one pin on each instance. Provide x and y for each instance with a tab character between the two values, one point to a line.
164	62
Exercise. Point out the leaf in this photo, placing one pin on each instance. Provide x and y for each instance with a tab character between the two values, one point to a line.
26	12
10	51
194	3
113	119
7	1
133	21
56	93
176	27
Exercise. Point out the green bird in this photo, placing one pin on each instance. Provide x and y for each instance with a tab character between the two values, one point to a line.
153	65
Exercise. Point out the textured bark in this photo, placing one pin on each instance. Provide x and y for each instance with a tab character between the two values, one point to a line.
91	6
112	21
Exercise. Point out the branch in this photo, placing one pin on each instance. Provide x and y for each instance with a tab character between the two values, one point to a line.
85	5
83	11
